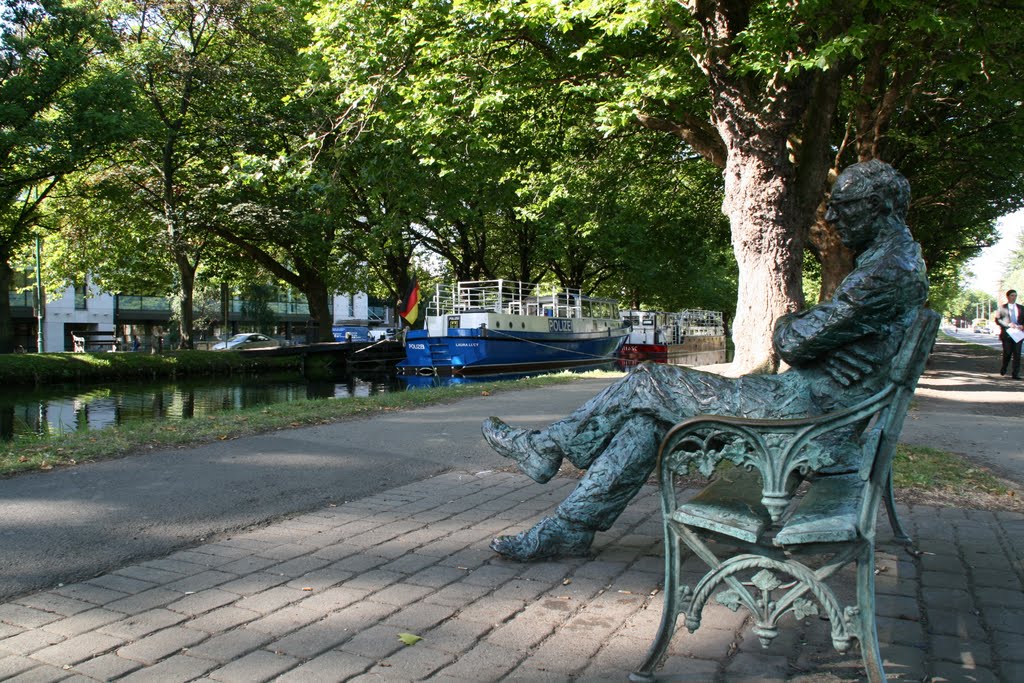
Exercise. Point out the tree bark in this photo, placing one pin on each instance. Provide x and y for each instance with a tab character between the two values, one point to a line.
766	239
186	315
319	309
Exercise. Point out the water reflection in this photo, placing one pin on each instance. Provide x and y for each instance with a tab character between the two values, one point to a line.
71	408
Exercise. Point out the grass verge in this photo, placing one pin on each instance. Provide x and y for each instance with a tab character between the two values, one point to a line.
929	475
28	453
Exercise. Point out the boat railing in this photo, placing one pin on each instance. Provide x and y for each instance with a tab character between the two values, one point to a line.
507	296
696	322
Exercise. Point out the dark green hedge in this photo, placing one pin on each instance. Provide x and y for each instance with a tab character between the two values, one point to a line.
47	368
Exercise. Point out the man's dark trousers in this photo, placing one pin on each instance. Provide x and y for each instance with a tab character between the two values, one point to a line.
1011	350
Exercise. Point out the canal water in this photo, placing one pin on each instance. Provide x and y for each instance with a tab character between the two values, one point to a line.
67	408
64	408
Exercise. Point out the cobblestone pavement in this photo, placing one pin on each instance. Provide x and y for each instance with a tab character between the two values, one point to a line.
324	596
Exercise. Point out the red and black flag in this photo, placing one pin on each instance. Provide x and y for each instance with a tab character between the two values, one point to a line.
409	305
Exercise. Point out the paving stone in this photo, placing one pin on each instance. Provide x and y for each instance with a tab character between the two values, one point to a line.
484	657
333	599
106	667
946	672
376	642
1003	619
54	602
757	667
330	667
969	653
201	581
143	602
29	641
457	594
97	595
26	617
321	579
203	601
948	622
230	645
252	584
271	600
901	631
149	573
414	663
686	670
222	619
285	620
7	630
419	617
139	625
898	607
315	638
83	622
298	566
906	662
1009	646
177	669
77	649
43	673
401	594
254	667
248	565
155	647
492	610
120	583
456	635
436	576
994	578
11	665
1000	597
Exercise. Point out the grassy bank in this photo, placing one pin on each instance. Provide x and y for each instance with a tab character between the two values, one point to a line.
53	368
28	453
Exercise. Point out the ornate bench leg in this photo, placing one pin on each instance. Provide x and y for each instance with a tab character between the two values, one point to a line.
870	652
900	534
669	612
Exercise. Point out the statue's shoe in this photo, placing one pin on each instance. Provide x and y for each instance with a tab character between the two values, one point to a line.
551	537
538	457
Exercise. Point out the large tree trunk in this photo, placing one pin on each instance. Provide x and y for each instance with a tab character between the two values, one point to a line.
319	309
6	322
766	239
835	258
186	315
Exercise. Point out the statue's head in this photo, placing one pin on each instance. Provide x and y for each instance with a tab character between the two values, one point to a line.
863	193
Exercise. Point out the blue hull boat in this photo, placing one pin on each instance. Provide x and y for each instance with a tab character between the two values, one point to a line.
502	326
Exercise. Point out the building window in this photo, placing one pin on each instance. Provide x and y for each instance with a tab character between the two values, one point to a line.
80	296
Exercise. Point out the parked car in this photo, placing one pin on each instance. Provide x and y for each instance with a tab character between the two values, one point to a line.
246	340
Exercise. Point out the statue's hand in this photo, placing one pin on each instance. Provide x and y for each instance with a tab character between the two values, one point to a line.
847	366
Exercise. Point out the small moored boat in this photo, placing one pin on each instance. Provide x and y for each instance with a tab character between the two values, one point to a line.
691	337
503	326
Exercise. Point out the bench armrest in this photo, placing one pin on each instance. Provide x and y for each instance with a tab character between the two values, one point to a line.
777	449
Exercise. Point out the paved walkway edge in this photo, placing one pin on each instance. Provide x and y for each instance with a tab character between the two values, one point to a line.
324	596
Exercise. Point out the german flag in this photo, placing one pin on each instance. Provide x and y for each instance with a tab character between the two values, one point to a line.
409	305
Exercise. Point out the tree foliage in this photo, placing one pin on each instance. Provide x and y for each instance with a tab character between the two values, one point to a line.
60	108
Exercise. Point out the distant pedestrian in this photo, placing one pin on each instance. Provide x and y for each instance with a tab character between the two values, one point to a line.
1010	319
136	345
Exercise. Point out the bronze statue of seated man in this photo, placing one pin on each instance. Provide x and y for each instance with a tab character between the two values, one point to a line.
838	353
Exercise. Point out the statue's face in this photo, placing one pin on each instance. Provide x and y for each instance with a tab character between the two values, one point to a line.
852	210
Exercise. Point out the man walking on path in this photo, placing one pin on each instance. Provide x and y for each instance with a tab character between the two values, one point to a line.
1010	319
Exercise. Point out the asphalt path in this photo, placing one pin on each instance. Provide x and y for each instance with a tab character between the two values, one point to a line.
74	523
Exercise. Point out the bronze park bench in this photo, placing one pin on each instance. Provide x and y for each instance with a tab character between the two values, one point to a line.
782	550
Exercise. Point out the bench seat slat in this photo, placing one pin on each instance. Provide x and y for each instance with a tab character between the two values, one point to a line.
729	505
827	514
